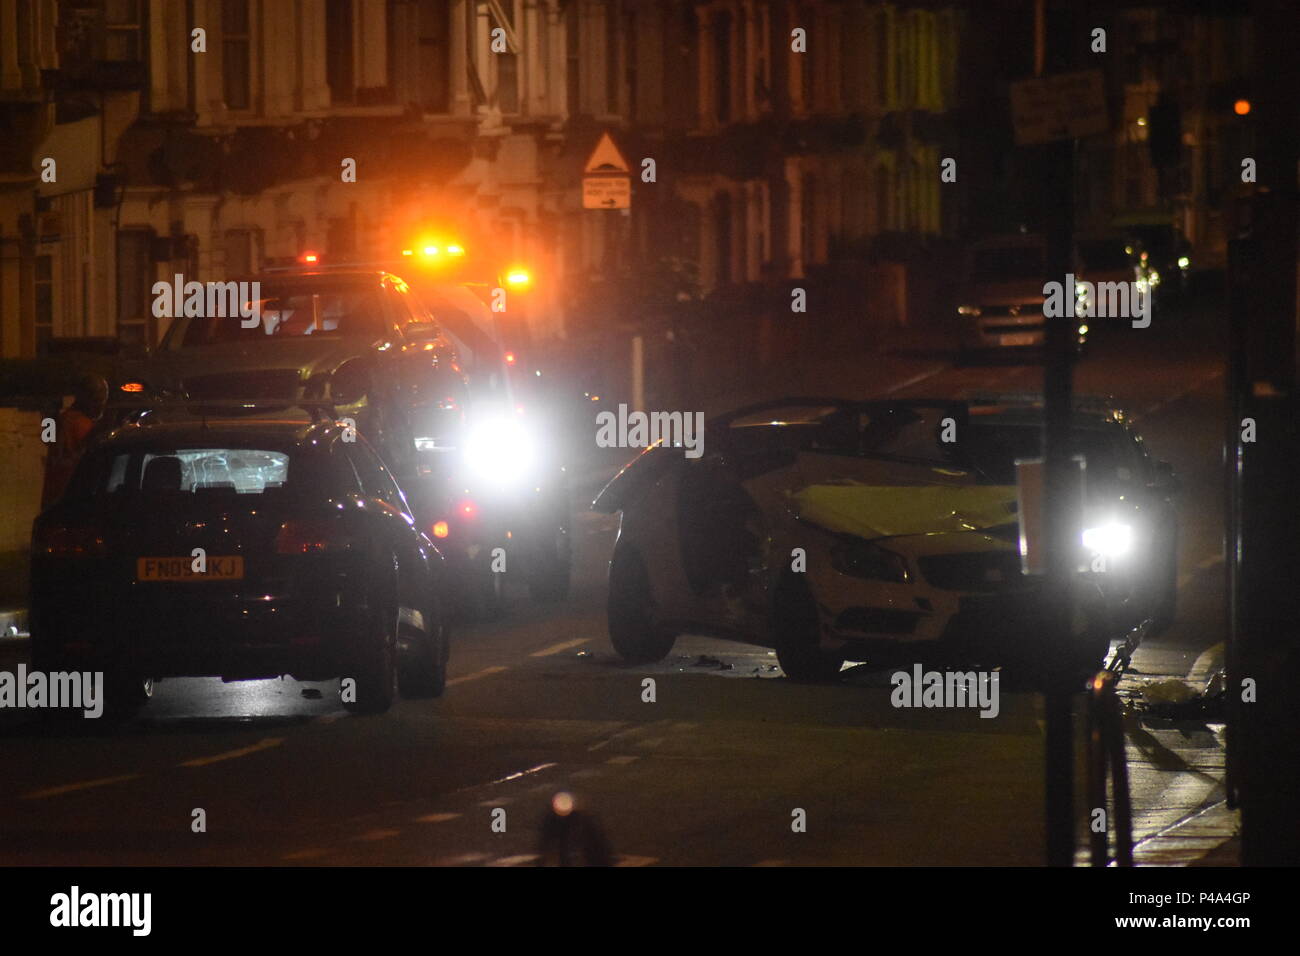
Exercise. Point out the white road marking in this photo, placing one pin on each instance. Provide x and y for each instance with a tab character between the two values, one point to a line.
915	379
437	817
517	860
485	672
380	834
623	759
80	785
265	744
626	860
557	648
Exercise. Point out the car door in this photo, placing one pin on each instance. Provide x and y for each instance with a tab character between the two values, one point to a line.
394	524
720	536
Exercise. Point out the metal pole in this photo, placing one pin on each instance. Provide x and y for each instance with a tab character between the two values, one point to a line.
638	373
1059	520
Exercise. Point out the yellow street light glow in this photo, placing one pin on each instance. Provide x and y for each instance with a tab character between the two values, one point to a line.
1241	107
430	250
455	250
407	252
518	277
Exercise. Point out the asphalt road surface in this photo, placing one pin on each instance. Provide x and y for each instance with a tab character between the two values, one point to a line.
712	772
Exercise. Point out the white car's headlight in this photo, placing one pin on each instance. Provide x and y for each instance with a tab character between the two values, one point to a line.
499	450
1112	540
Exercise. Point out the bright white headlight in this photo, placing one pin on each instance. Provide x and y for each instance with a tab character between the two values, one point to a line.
499	450
1111	540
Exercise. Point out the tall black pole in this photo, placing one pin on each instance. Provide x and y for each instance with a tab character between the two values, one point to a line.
1059	519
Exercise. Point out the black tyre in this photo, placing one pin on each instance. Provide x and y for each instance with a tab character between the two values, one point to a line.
126	693
632	628
797	634
375	667
424	673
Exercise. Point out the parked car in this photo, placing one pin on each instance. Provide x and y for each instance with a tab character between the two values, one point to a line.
1000	295
355	337
836	530
497	485
198	544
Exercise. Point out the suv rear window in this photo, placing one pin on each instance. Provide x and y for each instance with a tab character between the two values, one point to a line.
245	471
289	312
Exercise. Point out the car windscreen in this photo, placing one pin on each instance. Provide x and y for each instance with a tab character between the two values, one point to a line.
166	470
1006	263
795	428
288	312
992	449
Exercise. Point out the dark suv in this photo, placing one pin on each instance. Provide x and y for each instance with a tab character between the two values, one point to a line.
356	338
242	548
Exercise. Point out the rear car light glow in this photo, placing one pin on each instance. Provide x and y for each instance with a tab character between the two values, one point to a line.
315	536
70	541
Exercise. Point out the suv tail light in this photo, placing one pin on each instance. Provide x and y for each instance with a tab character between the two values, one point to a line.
70	541
312	536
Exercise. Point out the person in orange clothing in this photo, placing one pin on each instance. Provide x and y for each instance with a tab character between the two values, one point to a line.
71	431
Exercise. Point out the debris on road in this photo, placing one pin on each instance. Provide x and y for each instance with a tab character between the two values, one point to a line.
1174	699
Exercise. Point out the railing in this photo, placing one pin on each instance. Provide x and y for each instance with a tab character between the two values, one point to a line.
1106	755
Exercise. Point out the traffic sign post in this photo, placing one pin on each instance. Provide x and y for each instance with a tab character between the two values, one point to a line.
607	178
606	192
1063	106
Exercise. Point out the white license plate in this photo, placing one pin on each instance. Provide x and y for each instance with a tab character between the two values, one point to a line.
1018	338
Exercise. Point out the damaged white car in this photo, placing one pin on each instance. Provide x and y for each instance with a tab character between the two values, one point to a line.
832	531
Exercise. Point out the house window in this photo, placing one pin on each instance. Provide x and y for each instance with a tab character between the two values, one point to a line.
338	50
122	30
235	65
572	64
507	65
611	57
44	302
629	31
807	210
432	67
722	67
135	276
722	237
241	252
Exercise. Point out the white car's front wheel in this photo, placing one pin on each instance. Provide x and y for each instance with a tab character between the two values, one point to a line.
797	634
632	628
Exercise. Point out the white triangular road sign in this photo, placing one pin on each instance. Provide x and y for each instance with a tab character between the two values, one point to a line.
606	158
